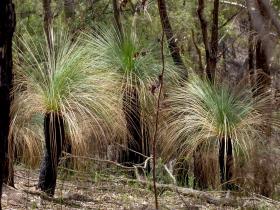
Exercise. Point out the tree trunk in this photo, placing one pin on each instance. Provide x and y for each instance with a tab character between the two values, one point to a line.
263	80
47	21
135	142
226	163
7	28
117	16
212	65
172	44
54	138
211	49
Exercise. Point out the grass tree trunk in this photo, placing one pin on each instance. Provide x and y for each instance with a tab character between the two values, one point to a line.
226	163
132	114
54	138
7	28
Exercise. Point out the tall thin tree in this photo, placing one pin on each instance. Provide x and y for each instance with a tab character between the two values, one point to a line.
171	40
47	20
117	15
7	28
211	54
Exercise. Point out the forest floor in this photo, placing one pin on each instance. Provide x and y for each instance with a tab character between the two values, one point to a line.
113	192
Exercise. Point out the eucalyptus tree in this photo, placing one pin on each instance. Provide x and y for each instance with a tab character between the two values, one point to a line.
70	95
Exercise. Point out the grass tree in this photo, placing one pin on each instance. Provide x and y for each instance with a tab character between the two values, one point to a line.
138	70
217	118
70	95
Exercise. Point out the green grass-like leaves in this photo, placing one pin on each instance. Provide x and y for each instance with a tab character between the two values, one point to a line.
202	113
61	79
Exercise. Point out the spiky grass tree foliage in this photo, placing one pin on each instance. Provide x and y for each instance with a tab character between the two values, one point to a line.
70	95
138	70
218	118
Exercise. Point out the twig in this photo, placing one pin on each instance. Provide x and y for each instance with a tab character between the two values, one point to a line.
170	174
105	161
229	19
138	153
234	4
205	196
141	165
157	119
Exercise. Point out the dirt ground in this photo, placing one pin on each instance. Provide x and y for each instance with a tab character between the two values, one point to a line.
103	193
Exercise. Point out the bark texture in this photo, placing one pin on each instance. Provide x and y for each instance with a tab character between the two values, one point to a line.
54	139
211	47
260	20
7	27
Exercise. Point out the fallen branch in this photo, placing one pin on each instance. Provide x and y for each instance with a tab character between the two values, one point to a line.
58	200
207	196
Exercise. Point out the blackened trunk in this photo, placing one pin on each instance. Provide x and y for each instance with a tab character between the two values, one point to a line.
226	163
212	64
7	28
172	44
211	49
54	138
135	144
263	80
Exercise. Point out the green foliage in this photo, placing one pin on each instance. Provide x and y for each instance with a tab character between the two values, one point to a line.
202	113
59	79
